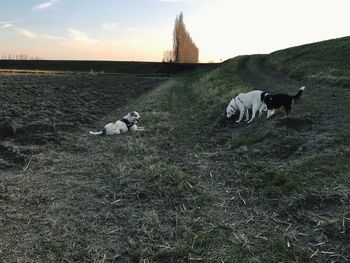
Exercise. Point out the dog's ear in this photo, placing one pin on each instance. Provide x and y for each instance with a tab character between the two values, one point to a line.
133	114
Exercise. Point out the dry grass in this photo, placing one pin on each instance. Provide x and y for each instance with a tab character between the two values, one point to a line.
186	189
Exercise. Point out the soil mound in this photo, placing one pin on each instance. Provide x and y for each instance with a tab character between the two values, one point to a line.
304	123
10	157
6	128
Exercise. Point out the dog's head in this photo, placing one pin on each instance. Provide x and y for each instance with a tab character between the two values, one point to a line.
267	99
135	116
231	109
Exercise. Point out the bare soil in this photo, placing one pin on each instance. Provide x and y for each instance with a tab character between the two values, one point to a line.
38	108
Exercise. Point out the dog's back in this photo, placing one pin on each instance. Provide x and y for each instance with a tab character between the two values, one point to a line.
275	101
250	98
280	99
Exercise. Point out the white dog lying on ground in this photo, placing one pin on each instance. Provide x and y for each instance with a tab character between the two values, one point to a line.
245	101
127	123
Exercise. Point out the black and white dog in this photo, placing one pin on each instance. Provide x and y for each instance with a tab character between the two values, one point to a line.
276	101
128	123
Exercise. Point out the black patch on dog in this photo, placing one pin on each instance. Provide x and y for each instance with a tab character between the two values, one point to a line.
262	96
276	101
128	123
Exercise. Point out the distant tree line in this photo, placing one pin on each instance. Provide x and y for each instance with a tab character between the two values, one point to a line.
20	57
184	49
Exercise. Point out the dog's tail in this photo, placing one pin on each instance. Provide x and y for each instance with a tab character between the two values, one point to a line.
96	133
102	132
297	96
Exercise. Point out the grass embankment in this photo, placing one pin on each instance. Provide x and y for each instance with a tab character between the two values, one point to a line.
274	190
324	63
192	186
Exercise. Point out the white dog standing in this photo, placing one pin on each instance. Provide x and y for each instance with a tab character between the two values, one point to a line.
245	101
127	123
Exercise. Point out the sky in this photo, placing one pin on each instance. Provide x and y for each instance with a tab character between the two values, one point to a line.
141	30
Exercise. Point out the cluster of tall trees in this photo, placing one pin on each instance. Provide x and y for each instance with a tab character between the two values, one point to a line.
184	49
20	57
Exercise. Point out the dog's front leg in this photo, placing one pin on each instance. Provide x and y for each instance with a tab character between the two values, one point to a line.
262	108
241	114
133	128
270	113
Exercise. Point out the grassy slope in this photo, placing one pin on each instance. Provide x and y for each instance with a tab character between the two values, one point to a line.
193	187
323	63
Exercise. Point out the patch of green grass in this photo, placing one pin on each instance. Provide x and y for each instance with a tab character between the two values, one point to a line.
207	95
312	174
281	252
277	183
272	183
207	240
236	255
168	180
249	138
53	250
323	170
342	138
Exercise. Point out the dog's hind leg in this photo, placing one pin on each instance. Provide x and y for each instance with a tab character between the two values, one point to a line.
287	109
254	110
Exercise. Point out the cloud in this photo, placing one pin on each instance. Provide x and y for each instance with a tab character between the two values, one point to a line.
4	25
45	5
51	37
78	38
109	26
26	33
